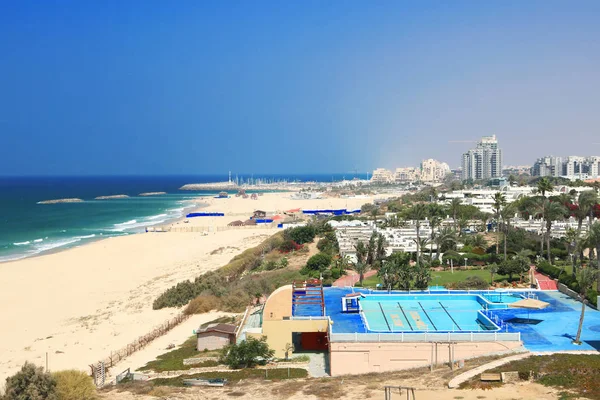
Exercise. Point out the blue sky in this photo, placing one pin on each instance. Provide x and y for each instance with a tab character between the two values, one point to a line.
191	87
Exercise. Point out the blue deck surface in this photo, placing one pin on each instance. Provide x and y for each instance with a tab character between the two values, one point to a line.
556	330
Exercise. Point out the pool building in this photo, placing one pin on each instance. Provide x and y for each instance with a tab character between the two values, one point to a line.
374	331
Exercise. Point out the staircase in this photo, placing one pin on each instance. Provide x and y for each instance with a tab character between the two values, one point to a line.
308	299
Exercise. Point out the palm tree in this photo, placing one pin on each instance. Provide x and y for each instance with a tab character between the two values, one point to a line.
434	223
507	213
361	252
571	240
444	237
544	185
585	280
421	243
455	206
419	212
493	270
594	240
552	211
361	268
585	207
499	203
478	241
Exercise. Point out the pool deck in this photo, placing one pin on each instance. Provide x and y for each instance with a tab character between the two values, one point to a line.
555	331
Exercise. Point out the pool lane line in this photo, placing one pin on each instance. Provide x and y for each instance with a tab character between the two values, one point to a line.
444	308
384	317
427	315
407	320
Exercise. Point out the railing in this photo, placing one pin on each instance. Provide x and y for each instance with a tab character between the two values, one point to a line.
425	337
309	317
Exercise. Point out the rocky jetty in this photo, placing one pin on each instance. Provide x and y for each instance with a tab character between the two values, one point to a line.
210	186
58	201
152	193
115	196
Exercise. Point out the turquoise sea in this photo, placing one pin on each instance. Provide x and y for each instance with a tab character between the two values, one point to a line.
28	228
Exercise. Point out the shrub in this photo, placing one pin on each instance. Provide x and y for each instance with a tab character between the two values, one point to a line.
319	262
246	354
300	234
30	383
472	282
336	273
202	304
74	385
289	245
435	263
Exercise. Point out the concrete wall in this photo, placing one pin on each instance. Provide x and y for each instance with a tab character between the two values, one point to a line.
360	358
212	340
279	304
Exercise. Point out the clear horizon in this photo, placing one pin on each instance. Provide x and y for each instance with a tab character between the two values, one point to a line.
149	88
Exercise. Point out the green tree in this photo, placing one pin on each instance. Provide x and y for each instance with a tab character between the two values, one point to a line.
379	251
371	248
455	208
422	276
434	223
512	180
361	268
445	239
544	185
507	214
246	354
493	268
419	212
319	262
585	280
499	203
361	252
300	234
550	211
30	383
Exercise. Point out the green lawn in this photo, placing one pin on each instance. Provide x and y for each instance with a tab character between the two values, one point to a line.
444	277
173	360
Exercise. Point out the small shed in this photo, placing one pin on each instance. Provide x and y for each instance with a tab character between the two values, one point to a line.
235	223
215	336
250	222
259	214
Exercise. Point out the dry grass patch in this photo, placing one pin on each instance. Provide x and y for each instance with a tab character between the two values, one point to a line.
288	389
324	389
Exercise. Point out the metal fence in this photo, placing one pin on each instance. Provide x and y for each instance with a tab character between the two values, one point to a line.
425	337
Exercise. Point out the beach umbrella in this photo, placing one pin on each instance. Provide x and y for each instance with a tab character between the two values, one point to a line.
529	304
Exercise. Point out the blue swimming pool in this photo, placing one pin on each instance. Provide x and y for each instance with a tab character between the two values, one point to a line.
432	312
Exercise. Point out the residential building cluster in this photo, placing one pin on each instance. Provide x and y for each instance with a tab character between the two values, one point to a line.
484	161
430	171
571	167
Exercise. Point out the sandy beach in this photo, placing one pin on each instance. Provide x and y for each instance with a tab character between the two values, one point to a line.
80	304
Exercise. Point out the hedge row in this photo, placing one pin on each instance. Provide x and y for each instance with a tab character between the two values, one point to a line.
567	280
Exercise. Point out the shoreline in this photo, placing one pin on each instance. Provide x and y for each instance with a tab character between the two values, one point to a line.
81	304
99	236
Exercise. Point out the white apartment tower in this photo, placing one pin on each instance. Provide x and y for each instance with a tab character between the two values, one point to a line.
484	161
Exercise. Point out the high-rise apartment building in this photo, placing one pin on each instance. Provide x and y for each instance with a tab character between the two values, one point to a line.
569	167
484	161
382	175
407	174
433	170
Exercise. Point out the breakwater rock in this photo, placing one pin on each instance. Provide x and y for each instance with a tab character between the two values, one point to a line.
58	201
210	186
152	193
116	196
